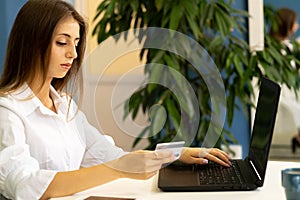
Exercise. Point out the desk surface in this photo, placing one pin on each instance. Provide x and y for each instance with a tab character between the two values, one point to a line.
147	190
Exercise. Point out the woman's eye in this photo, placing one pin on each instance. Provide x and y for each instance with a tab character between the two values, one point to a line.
61	43
76	43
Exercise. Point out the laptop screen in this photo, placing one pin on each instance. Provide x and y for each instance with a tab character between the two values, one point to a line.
263	125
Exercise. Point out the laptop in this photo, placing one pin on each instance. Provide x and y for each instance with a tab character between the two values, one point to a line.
249	173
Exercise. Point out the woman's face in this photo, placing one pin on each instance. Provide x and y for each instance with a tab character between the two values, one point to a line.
295	27
63	47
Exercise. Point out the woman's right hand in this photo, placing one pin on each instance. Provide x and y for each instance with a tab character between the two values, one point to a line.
141	164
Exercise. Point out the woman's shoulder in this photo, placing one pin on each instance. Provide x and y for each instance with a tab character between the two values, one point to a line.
8	106
20	101
7	100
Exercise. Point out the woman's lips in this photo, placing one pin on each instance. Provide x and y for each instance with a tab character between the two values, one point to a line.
66	66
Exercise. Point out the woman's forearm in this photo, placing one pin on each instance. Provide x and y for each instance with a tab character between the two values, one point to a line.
136	165
68	183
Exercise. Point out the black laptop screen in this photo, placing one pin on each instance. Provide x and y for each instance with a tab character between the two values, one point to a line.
263	125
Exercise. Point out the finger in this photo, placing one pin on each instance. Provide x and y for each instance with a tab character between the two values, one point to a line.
203	152
155	159
165	157
224	153
217	160
155	165
162	154
158	162
221	154
201	161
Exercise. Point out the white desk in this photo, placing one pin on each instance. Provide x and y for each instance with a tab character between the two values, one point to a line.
147	190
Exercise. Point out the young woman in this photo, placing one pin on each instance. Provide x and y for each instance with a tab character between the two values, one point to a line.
286	24
48	148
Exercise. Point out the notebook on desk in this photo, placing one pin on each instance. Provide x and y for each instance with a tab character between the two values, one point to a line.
249	173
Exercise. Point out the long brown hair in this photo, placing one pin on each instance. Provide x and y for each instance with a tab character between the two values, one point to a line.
285	19
28	48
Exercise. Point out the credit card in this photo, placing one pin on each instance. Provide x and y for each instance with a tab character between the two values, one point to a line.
175	147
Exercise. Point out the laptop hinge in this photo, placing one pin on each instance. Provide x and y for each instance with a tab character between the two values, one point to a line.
257	174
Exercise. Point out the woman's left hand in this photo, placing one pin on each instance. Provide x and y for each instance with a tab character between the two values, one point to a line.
202	155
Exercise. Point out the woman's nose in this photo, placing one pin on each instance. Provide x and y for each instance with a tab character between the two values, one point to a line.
72	52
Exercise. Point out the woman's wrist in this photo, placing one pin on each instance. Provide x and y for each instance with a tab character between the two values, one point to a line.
111	166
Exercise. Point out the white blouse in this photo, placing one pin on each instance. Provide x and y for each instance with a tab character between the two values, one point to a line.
36	143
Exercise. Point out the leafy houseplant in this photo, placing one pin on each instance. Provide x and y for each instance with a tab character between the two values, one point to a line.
217	27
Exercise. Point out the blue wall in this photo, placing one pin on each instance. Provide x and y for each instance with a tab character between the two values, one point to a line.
293	4
8	12
241	123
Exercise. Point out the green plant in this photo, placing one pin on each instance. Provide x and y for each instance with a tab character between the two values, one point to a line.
217	27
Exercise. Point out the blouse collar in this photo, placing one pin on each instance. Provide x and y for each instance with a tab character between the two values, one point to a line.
29	102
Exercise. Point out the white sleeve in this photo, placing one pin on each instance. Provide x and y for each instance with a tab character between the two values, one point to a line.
20	174
98	148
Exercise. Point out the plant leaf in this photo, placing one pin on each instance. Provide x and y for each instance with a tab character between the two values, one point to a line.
175	16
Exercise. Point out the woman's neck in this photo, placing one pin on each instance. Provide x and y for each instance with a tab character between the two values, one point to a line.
43	94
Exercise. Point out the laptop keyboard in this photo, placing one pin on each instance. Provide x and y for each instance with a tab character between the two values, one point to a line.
216	174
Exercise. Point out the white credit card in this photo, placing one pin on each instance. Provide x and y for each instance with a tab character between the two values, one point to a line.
175	147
